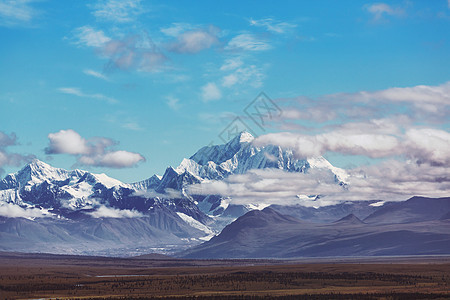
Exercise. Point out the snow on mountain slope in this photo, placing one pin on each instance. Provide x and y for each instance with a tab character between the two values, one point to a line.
150	183
197	225
236	157
41	184
36	173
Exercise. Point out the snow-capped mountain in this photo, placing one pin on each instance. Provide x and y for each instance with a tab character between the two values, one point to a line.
61	191
60	197
238	156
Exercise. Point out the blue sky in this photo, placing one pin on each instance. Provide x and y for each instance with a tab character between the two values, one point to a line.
130	87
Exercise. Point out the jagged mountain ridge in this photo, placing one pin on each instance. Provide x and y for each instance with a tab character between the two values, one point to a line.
238	156
80	197
62	191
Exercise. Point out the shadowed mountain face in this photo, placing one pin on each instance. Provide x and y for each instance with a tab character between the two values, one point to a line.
416	209
269	234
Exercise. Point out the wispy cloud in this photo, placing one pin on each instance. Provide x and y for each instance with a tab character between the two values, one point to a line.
428	104
90	37
425	99
17	13
231	64
133	52
380	10
118	11
124	120
95	74
79	93
110	212
132	126
272	25
244	75
176	29
210	92
247	42
194	41
173	102
91	152
168	194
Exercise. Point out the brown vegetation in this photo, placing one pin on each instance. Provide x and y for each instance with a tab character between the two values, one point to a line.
24	276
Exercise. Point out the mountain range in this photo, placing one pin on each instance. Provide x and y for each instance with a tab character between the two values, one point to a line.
270	234
47	209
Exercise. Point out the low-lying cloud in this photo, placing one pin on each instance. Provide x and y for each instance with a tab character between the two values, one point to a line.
391	180
110	212
10	210
91	152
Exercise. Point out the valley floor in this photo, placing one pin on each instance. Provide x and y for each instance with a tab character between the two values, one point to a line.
30	276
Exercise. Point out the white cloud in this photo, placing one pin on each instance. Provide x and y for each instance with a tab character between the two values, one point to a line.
194	41
211	92
428	145
110	212
168	194
77	92
173	103
428	98
419	144
176	29
135	52
229	80
92	152
132	126
95	74
379	10
17	12
272	25
428	104
231	64
120	11
10	210
244	75
248	42
392	180
113	159
68	142
88	36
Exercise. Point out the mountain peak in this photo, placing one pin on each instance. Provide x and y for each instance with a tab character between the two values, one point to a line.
243	137
349	219
37	164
